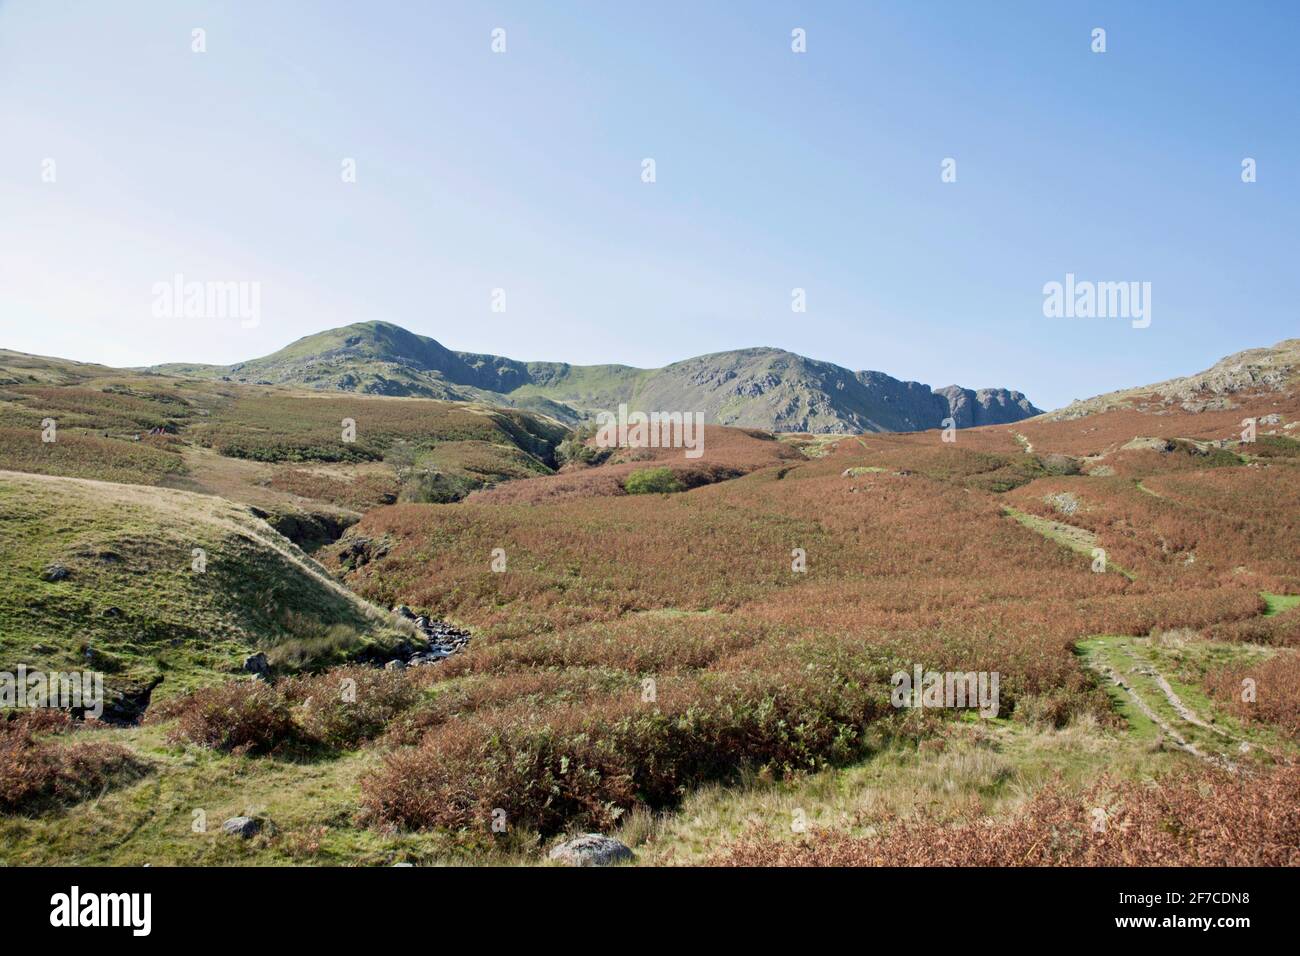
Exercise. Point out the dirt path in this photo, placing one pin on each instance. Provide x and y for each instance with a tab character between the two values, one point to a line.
1183	712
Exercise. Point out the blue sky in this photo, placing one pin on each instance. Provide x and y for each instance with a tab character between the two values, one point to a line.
775	170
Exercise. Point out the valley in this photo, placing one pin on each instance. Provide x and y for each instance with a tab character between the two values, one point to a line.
646	660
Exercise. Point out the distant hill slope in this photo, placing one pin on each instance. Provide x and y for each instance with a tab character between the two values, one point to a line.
282	450
1252	372
756	388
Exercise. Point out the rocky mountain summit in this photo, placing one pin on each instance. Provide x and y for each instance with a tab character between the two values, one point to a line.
764	388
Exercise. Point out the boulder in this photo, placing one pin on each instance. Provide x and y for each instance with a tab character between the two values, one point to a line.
1149	444
257	664
55	572
243	827
591	849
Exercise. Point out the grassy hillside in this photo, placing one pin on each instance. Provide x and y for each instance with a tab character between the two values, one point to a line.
132	604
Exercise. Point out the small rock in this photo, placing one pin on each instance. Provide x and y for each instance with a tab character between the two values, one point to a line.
403	611
591	849
55	572
395	666
244	827
257	664
112	612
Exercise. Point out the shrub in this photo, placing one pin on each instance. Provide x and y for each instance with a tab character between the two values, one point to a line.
240	717
37	771
1280	630
436	487
348	705
337	709
1275	681
588	764
1275	446
652	481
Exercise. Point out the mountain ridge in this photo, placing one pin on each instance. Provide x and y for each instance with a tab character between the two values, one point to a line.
1274	368
755	387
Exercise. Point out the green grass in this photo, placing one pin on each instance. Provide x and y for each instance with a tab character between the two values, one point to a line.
134	608
103	418
1277	603
1079	540
993	764
152	821
312	804
1184	661
89	456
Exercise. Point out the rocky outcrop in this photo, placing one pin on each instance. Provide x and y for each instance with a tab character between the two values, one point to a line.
591	849
986	406
438	641
1252	372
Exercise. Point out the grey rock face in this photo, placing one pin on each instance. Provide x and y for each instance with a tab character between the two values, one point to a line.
591	849
986	406
243	827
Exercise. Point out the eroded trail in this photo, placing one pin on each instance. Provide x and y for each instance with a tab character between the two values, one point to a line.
1147	711
1120	665
1183	711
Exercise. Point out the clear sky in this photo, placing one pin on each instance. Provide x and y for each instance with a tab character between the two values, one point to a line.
774	170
